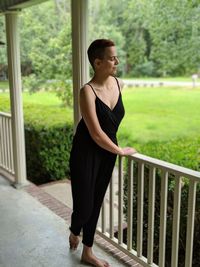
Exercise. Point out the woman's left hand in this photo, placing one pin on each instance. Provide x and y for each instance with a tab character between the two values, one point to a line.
128	151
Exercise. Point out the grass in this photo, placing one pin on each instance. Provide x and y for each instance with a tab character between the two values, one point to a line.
41	98
42	108
160	114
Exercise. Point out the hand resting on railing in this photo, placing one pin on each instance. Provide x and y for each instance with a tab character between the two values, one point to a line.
125	151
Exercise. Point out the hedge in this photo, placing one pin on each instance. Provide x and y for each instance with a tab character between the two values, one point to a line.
47	152
183	151
48	137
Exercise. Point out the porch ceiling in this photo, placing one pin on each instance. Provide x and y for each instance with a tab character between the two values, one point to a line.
6	5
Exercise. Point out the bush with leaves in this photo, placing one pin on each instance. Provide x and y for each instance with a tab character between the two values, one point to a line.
47	152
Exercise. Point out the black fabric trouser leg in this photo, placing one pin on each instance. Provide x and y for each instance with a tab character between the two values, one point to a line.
88	193
84	168
101	186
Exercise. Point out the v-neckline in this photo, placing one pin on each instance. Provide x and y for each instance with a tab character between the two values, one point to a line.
107	105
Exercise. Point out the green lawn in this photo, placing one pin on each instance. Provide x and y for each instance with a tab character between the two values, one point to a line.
41	98
160	114
42	108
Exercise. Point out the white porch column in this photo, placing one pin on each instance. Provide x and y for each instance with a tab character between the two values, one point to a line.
79	50
14	75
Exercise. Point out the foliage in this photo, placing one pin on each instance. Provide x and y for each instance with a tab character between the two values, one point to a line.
45	42
47	151
183	151
4	102
163	32
174	32
46	49
153	38
32	83
48	136
3	52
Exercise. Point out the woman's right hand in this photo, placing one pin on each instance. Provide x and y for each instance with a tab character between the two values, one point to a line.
125	151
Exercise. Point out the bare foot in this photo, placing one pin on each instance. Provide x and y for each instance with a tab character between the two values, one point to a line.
73	241
89	257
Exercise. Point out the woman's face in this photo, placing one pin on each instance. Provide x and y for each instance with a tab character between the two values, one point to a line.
110	61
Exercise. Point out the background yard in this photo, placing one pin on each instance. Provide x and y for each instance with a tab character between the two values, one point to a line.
160	122
160	114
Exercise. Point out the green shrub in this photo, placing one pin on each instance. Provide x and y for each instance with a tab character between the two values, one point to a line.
183	152
47	152
48	136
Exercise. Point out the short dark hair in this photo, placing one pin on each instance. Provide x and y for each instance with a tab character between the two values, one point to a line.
97	49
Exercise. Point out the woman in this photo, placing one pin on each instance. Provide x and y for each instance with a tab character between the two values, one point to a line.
95	145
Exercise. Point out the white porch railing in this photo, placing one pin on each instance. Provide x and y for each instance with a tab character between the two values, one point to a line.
6	147
147	185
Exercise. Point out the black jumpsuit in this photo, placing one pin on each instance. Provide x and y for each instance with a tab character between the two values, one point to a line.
91	168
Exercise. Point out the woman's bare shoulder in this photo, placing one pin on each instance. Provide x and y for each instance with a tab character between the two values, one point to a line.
86	92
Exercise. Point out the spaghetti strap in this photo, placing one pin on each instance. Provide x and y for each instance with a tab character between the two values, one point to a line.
117	83
92	89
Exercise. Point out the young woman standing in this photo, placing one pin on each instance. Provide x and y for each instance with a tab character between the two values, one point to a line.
95	146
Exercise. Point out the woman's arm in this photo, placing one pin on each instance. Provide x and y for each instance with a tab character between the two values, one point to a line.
88	110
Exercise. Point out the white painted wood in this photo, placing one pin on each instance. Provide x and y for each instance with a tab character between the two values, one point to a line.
14	74
1	141
130	205
190	223
140	199
151	211
103	217
6	151
176	222
163	218
79	10
11	147
111	208
131	253
178	170
3	144
7	145
120	201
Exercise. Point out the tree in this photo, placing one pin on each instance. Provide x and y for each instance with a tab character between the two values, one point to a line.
174	32
103	19
3	59
46	48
